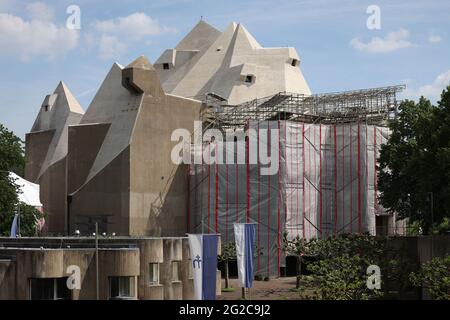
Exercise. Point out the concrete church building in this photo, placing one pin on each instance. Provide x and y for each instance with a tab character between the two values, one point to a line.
112	164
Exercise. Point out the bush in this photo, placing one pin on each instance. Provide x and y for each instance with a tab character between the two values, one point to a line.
338	271
435	277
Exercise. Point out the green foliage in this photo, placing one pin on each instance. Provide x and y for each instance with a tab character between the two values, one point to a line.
434	276
414	165
228	252
8	197
297	247
443	227
338	271
28	221
341	278
11	152
12	159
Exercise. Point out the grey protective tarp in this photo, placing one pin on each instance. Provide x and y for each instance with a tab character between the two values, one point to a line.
326	184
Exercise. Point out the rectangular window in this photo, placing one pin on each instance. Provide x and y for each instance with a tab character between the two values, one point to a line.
49	289
154	274
121	288
166	66
175	271
295	63
249	79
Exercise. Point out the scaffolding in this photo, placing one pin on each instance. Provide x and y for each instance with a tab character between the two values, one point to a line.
327	148
374	105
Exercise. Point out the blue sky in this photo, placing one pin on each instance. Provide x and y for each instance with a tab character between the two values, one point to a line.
337	50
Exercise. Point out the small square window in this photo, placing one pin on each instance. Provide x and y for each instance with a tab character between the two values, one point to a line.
249	79
154	274
166	66
295	62
175	271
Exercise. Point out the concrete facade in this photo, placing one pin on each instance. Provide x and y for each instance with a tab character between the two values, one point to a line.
24	259
112	165
132	187
46	153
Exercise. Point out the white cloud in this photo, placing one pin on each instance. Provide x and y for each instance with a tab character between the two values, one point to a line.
430	91
432	38
135	26
391	42
111	48
29	39
40	11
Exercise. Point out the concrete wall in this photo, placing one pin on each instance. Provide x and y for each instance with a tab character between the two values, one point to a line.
54	197
158	204
53	263
104	199
151	252
119	167
186	272
7	279
22	259
173	290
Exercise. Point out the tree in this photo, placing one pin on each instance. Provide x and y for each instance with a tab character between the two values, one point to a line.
339	265
414	165
29	217
297	248
434	275
228	253
12	160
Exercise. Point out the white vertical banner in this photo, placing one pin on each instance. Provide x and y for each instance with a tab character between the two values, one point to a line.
196	250
244	234
239	238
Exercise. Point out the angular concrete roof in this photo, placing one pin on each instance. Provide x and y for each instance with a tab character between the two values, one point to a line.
57	112
141	63
207	61
200	37
115	105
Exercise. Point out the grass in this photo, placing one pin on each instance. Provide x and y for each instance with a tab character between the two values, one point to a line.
228	290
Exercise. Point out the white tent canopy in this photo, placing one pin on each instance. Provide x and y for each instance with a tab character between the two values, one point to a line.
29	191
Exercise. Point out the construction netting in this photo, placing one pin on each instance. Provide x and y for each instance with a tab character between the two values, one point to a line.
326	183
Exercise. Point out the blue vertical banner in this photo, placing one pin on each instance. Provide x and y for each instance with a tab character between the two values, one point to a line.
244	234
14	227
203	249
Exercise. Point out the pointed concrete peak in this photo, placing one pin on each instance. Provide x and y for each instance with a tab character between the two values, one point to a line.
233	25
141	63
116	64
60	87
203	34
72	103
249	37
203	24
